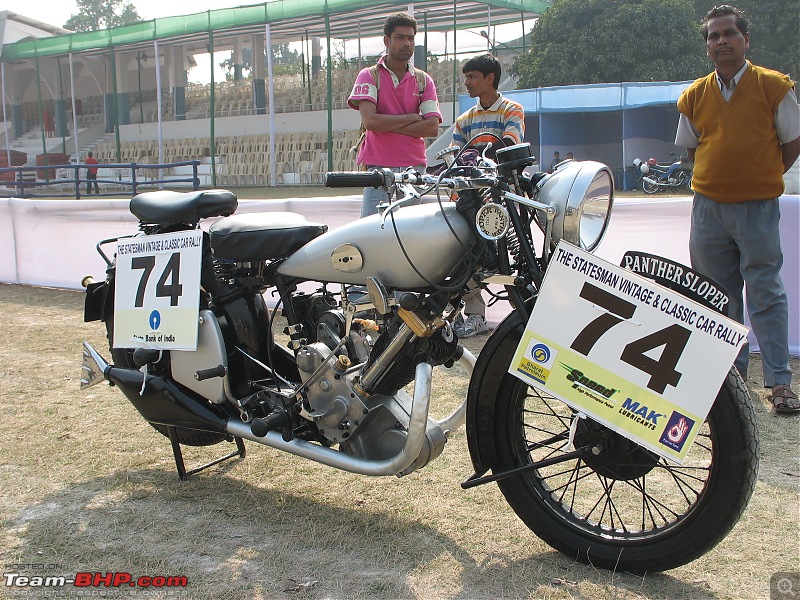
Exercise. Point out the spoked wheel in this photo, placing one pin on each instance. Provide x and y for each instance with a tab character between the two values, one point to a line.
649	187
627	508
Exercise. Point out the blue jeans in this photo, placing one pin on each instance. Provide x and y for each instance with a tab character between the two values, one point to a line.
372	197
738	245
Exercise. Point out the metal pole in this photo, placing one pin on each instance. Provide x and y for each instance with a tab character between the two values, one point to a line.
212	109
41	116
329	86
489	44
455	58
74	112
272	170
115	104
307	66
139	73
158	105
5	116
61	97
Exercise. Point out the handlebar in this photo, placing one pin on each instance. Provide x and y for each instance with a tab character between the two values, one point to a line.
467	178
376	178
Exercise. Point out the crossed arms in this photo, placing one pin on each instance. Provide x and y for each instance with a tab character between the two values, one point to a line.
414	125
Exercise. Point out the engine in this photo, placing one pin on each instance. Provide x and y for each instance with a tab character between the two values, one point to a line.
367	425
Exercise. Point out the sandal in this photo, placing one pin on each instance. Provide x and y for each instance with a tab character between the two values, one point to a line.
784	400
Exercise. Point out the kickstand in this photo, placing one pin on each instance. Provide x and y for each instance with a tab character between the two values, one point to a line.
181	466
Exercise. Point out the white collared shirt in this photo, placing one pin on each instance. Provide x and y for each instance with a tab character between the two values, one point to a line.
727	92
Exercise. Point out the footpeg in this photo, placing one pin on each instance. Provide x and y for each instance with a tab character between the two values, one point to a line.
274	420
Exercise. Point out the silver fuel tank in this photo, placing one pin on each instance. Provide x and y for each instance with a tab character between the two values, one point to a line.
362	249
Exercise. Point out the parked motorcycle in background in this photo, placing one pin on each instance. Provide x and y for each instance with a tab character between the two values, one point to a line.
657	176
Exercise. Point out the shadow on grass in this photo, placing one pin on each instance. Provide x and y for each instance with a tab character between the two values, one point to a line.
233	539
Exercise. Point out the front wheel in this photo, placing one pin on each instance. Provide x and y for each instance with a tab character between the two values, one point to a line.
627	509
649	187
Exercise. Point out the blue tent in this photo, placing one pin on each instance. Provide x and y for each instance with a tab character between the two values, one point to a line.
609	122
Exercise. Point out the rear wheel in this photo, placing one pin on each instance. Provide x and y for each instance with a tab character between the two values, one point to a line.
683	177
627	508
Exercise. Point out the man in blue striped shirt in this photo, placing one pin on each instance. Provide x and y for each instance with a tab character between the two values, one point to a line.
495	119
493	114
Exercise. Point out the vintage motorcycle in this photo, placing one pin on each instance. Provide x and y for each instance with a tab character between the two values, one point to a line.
655	177
334	392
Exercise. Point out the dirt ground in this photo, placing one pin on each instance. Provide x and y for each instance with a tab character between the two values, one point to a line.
87	486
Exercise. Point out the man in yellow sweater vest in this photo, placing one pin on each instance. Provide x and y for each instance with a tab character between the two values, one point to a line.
741	126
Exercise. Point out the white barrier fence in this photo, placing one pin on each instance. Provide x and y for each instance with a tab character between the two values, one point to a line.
52	242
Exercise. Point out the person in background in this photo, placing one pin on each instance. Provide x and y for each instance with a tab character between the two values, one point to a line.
556	160
570	156
741	126
494	119
399	108
91	175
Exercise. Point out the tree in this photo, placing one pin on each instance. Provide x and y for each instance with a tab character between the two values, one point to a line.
773	32
285	61
102	14
610	41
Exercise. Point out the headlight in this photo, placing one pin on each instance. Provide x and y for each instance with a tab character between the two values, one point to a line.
583	194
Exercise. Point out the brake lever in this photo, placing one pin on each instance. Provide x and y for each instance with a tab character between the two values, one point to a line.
409	196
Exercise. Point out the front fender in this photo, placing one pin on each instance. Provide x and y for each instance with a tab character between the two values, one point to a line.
482	396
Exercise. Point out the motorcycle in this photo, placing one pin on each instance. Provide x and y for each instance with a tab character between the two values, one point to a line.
334	393
655	177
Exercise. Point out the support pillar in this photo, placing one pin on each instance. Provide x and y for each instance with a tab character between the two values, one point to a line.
259	83
177	78
123	87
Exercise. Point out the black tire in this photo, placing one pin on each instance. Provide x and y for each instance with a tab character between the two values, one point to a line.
627	509
648	187
188	437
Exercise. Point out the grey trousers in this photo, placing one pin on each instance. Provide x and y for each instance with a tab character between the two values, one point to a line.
738	245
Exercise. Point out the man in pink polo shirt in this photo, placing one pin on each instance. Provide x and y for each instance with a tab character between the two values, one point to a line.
396	116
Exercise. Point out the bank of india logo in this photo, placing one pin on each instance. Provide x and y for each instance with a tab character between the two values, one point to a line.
540	353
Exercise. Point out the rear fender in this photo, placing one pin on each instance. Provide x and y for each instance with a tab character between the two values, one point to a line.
482	397
99	301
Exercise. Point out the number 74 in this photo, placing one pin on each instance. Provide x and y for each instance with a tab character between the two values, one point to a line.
172	270
674	339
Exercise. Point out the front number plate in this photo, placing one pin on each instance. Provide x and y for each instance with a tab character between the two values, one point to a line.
633	355
156	299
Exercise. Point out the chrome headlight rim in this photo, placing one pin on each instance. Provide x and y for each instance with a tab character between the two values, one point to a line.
573	189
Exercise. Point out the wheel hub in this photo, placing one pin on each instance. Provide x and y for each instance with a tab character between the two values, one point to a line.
620	458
